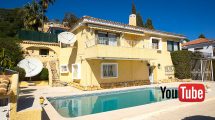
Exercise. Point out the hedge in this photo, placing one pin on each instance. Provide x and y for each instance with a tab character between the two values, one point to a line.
44	74
182	63
21	72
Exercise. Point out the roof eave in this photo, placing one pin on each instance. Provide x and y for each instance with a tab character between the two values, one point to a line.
84	20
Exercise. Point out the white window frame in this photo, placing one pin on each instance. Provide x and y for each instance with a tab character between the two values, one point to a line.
109	64
160	42
79	71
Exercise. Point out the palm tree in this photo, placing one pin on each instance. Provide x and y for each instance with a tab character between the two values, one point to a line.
32	16
45	4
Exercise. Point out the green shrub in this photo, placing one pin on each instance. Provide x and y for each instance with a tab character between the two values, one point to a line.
12	49
21	72
182	63
44	74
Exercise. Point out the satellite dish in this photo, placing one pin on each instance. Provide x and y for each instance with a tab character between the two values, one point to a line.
66	38
32	66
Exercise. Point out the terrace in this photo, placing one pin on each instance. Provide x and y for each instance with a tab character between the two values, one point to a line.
105	47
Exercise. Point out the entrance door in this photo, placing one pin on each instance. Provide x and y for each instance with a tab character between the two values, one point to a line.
4	109
151	74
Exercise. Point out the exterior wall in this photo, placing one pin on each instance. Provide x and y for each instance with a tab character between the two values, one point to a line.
13	98
128	55
32	50
128	70
65	58
206	48
73	54
33	114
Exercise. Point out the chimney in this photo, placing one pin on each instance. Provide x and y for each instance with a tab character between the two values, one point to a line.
132	20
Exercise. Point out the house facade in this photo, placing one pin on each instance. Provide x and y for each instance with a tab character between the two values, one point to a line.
108	53
203	45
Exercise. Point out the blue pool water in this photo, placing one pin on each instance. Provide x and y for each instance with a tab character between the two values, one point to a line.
74	106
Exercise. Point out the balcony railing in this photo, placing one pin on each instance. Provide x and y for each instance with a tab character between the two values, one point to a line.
121	43
205	55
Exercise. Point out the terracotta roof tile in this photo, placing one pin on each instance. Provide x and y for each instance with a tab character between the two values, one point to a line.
197	41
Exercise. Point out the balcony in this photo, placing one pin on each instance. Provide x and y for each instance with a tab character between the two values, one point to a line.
121	43
104	47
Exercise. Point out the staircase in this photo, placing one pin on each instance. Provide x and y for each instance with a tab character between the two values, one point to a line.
55	74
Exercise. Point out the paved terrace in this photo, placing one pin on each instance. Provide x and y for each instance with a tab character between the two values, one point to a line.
165	110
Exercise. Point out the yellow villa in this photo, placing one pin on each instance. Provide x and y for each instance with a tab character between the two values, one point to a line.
108	54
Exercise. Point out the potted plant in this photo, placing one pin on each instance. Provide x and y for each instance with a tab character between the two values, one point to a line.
42	100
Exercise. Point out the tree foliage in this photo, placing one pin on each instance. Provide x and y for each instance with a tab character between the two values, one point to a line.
21	72
12	49
139	20
70	18
34	13
149	24
202	36
10	22
5	61
45	4
33	16
43	75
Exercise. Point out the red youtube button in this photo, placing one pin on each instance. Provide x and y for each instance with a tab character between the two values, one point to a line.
191	92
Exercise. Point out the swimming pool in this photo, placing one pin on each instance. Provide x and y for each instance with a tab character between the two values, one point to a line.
79	105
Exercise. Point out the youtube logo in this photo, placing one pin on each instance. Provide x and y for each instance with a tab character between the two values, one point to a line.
191	92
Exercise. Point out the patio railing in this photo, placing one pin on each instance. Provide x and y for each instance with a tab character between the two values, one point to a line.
120	43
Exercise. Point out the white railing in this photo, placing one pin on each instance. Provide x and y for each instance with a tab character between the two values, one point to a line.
121	43
206	55
151	46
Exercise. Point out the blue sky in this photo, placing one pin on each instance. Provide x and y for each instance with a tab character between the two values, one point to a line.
188	17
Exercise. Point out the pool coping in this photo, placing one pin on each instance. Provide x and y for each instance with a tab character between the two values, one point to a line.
124	113
55	115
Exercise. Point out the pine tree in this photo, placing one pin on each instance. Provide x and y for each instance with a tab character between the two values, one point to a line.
133	10
139	20
149	24
70	18
202	36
